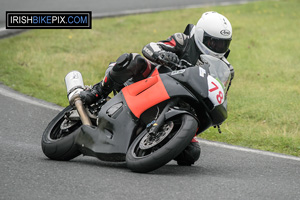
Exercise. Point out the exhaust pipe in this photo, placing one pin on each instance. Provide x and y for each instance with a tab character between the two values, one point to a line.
74	84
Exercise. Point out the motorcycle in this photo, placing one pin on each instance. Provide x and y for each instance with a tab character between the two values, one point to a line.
147	123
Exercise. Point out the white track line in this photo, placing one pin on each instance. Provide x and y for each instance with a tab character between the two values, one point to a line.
26	99
237	148
30	100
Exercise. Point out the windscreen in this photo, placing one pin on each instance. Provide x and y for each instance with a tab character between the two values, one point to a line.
218	69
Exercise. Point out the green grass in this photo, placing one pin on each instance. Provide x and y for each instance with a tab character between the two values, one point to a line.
264	97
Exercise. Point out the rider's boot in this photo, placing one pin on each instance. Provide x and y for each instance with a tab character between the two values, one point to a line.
190	154
99	91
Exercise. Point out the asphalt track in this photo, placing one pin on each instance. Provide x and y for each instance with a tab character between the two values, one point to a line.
223	172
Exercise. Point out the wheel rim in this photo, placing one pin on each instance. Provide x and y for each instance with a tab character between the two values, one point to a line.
146	147
150	140
63	128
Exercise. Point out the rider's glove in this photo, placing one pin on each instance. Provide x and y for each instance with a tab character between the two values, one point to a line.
168	58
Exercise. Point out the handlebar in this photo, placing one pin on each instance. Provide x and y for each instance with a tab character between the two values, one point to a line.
170	63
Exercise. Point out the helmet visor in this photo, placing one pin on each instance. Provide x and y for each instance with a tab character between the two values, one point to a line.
218	45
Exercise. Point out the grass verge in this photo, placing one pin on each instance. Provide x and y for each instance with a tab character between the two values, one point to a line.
263	100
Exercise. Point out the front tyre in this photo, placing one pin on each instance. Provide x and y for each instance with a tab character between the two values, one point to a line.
148	153
58	140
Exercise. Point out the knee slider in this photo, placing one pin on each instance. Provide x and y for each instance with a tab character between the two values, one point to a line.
121	72
141	68
122	62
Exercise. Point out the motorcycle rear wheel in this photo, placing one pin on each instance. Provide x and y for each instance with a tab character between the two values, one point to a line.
147	157
59	143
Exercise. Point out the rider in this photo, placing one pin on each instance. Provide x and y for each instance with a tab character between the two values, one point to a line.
211	36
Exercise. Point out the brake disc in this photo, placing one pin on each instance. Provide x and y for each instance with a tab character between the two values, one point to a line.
150	139
66	124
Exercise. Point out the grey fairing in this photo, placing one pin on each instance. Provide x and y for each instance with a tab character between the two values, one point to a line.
218	114
179	90
192	85
174	112
202	125
189	83
110	140
176	88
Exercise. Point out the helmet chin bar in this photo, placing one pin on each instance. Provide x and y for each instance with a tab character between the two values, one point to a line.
206	50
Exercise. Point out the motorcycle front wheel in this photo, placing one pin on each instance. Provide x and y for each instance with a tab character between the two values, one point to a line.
148	152
58	140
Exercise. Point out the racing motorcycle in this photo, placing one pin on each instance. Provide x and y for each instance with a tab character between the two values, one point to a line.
146	124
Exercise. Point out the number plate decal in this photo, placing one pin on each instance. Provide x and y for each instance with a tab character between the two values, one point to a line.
215	91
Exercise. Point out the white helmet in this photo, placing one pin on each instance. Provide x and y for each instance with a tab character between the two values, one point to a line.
213	34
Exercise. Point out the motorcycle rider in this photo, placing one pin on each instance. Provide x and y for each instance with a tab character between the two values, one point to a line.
211	36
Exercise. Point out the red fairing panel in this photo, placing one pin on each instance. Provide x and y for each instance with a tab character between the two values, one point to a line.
144	94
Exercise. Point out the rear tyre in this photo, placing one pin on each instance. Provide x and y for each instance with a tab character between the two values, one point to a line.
58	140
148	153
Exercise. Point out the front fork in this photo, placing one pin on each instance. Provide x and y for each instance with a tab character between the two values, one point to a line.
161	119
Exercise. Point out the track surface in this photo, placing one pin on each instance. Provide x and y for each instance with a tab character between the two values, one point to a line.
223	172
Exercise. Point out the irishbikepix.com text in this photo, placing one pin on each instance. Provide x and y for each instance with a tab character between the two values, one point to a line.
48	20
